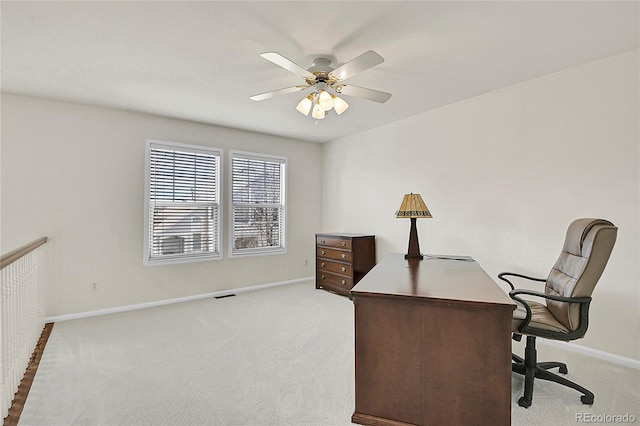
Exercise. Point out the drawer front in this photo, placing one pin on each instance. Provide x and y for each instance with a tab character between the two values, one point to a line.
338	242
345	256
332	279
335	267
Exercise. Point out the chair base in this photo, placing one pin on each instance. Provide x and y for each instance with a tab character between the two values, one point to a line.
531	369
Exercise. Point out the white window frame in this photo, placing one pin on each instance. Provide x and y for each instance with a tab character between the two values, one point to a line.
216	254
260	251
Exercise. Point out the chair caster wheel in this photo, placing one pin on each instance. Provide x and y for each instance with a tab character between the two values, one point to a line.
563	369
524	403
587	399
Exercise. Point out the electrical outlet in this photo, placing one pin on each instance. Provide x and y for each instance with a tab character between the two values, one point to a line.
94	286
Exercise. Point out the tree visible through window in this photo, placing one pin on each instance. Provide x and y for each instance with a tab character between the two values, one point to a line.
258	203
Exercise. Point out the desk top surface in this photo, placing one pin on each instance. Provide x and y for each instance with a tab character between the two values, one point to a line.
431	279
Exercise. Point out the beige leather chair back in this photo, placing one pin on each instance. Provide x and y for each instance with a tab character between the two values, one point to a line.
586	250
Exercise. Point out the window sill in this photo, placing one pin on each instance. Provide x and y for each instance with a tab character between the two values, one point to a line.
180	260
233	255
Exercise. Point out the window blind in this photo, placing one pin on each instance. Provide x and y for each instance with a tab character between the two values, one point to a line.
184	192
258	203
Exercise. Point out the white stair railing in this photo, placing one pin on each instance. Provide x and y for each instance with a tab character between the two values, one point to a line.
21	314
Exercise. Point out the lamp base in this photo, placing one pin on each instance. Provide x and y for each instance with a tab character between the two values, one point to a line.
414	256
413	252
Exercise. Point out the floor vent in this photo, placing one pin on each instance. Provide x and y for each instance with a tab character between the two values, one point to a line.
223	296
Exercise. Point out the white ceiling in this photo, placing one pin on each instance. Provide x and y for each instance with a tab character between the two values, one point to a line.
201	60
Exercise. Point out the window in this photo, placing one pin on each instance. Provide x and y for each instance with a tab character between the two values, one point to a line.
182	203
257	204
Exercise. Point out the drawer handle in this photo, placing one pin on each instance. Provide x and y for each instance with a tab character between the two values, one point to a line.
344	256
321	241
344	243
322	276
343	282
322	251
344	269
322	264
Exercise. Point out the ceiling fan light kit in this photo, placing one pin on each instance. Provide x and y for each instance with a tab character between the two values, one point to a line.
324	80
321	102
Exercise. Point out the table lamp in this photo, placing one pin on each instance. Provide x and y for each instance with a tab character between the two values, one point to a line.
413	207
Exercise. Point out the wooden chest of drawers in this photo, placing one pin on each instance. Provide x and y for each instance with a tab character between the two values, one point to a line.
342	260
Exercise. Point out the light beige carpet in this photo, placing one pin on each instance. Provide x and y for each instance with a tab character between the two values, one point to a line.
279	356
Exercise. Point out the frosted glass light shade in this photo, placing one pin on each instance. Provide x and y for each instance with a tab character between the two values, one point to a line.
339	104
318	112
325	101
304	107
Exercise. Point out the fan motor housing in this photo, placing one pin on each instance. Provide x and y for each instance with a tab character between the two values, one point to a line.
321	69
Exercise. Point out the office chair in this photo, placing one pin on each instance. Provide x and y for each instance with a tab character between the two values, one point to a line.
564	315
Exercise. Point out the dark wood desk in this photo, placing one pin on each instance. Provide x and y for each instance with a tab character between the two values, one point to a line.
433	345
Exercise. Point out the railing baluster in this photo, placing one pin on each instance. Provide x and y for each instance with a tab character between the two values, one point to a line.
21	313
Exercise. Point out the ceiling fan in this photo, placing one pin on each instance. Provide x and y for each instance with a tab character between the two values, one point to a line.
327	83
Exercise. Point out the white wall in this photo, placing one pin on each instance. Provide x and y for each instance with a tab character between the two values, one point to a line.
75	173
504	174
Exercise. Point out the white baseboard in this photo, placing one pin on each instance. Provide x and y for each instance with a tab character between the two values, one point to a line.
595	353
107	311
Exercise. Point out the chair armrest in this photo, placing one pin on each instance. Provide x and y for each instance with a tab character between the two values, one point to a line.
512	274
527	319
550	296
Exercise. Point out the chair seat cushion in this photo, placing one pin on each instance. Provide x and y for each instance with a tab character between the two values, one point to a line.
541	318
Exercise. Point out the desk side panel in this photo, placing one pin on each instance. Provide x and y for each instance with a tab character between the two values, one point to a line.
467	358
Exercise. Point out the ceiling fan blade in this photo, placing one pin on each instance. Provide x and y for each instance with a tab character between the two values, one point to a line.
269	95
363	62
363	92
288	65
